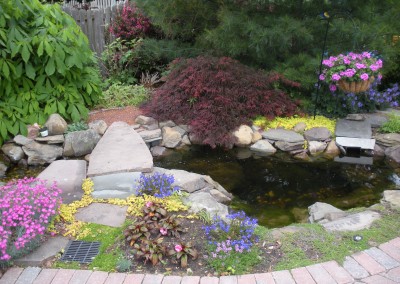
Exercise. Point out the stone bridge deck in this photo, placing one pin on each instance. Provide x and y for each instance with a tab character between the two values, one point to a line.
375	265
121	149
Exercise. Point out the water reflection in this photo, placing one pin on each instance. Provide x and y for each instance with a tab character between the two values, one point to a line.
278	189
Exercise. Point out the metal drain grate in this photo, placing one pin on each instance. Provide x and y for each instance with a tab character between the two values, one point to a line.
83	252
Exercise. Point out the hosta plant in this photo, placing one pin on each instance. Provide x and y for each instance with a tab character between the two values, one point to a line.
182	250
27	207
150	250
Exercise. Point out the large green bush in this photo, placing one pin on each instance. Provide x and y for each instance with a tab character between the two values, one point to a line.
46	66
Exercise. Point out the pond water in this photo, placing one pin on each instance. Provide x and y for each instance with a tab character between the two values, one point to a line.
278	189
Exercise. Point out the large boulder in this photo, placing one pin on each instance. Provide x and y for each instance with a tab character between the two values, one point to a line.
171	137
316	147
393	155
186	181
40	154
56	124
80	143
168	123
318	211
99	125
332	150
22	140
263	147
353	222
243	136
204	200
145	120
289	146
12	151
256	136
388	140
149	135
392	197
317	134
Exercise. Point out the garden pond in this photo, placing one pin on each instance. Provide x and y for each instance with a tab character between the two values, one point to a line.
278	189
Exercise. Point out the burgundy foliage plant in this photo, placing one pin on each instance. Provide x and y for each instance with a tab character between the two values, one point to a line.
214	96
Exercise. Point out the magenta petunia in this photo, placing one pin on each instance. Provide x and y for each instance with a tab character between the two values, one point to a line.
364	76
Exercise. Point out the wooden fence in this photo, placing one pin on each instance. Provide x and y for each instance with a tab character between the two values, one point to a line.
96	4
94	23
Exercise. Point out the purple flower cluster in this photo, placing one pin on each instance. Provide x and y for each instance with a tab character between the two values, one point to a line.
237	232
26	207
352	67
224	248
160	185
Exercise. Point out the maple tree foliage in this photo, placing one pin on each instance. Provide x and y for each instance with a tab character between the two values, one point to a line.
214	96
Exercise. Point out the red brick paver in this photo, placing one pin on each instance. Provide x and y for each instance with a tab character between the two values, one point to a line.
209	280
153	279
377	279
283	277
395	242
115	278
45	276
63	276
337	272
391	250
247	279
172	280
228	280
394	274
301	275
264	278
97	277
368	263
190	280
11	275
80	277
320	275
133	278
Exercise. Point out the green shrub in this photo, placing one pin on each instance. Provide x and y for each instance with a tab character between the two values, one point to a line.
392	125
119	95
77	126
46	66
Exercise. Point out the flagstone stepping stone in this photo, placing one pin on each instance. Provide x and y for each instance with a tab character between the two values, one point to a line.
121	149
354	129
353	222
392	197
120	185
48	249
283	135
69	175
103	214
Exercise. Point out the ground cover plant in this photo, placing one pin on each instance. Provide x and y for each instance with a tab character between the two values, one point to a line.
121	95
27	208
216	95
46	66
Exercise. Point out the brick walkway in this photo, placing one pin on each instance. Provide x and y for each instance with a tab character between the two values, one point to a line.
377	265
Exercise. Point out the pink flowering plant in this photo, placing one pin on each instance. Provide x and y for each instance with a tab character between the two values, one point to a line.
27	207
351	67
182	250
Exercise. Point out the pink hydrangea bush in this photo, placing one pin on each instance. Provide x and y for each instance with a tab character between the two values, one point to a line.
351	67
27	206
130	23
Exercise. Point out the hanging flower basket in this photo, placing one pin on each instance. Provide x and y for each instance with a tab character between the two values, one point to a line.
355	87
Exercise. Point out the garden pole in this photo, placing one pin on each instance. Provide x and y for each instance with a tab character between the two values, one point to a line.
325	16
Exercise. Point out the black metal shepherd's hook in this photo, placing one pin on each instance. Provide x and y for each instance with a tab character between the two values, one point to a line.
326	17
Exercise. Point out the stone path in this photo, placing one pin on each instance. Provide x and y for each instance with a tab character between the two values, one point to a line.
375	265
121	149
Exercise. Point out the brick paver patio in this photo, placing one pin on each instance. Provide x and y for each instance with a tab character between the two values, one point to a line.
375	265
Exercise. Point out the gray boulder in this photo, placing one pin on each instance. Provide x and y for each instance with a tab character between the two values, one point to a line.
145	120
40	154
219	196
180	130
100	126
148	135
151	126
168	123
316	147
393	155
186	181
289	146
243	136
54	139
185	140
378	151
317	134
318	211
204	200
157	151
171	137
217	186
80	143
263	147
21	140
283	135
392	197
300	127
56	124
12	151
388	140
332	150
